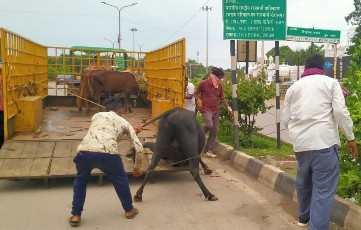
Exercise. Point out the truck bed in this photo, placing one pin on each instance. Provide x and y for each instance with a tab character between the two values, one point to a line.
49	152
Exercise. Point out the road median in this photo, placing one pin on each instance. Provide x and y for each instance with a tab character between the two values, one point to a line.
344	213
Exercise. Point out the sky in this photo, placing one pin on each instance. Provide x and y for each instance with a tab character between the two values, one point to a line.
67	23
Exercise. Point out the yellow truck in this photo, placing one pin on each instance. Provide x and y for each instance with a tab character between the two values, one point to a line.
42	125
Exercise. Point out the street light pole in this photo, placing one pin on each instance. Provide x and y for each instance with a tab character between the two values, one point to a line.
119	9
133	30
110	41
140	56
206	8
140	47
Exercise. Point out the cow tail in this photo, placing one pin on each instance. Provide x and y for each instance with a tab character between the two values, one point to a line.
166	113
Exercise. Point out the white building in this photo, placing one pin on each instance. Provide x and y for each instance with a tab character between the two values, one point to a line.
286	71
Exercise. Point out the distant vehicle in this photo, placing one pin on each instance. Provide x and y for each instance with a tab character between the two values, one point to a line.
63	79
268	82
288	83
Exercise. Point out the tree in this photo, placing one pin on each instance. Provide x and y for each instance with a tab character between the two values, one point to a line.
350	175
195	69
354	18
298	57
284	51
252	94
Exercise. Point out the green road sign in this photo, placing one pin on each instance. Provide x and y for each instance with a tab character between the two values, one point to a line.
313	35
254	19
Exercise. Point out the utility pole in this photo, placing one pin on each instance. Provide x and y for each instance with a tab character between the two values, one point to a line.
206	8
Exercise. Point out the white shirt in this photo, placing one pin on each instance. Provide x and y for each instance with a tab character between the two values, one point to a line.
105	131
314	107
190	103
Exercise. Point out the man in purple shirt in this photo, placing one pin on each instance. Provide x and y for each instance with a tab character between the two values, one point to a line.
208	94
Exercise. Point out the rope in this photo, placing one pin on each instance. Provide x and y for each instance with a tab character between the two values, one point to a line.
10	90
71	94
174	163
127	117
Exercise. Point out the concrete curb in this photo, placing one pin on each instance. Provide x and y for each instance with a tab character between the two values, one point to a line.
344	213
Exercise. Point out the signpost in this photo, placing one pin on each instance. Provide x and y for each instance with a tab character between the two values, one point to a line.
313	35
254	19
242	51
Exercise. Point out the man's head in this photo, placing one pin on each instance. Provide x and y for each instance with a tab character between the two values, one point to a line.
315	61
113	104
218	72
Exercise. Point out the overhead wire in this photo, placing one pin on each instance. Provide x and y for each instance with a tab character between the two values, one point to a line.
184	24
146	25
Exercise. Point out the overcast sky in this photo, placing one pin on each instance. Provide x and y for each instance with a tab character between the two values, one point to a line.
158	22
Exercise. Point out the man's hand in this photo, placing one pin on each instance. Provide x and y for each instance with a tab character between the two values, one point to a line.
137	172
351	147
139	129
199	105
230	111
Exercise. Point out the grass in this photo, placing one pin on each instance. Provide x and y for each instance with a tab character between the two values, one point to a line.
261	145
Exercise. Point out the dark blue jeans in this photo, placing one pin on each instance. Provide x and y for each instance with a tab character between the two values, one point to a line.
316	183
112	166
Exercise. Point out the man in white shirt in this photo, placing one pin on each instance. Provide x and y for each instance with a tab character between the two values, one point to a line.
99	149
314	108
189	98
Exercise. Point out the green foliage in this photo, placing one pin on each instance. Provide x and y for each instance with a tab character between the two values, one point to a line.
284	51
350	177
354	18
261	145
195	70
252	95
350	170
298	57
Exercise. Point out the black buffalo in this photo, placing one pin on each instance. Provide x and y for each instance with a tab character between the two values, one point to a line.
178	129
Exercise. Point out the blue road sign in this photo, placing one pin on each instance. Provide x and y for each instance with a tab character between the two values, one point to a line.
328	64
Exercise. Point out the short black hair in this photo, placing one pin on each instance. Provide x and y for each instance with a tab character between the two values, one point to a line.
315	61
113	103
218	72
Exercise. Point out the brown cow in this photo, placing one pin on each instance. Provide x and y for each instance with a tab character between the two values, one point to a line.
113	82
84	91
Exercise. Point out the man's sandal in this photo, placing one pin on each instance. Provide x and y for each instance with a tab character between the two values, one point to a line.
74	220
131	214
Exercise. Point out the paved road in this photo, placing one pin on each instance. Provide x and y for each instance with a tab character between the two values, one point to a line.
172	201
267	121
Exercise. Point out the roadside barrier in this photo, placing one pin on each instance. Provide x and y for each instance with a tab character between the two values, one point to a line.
345	214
